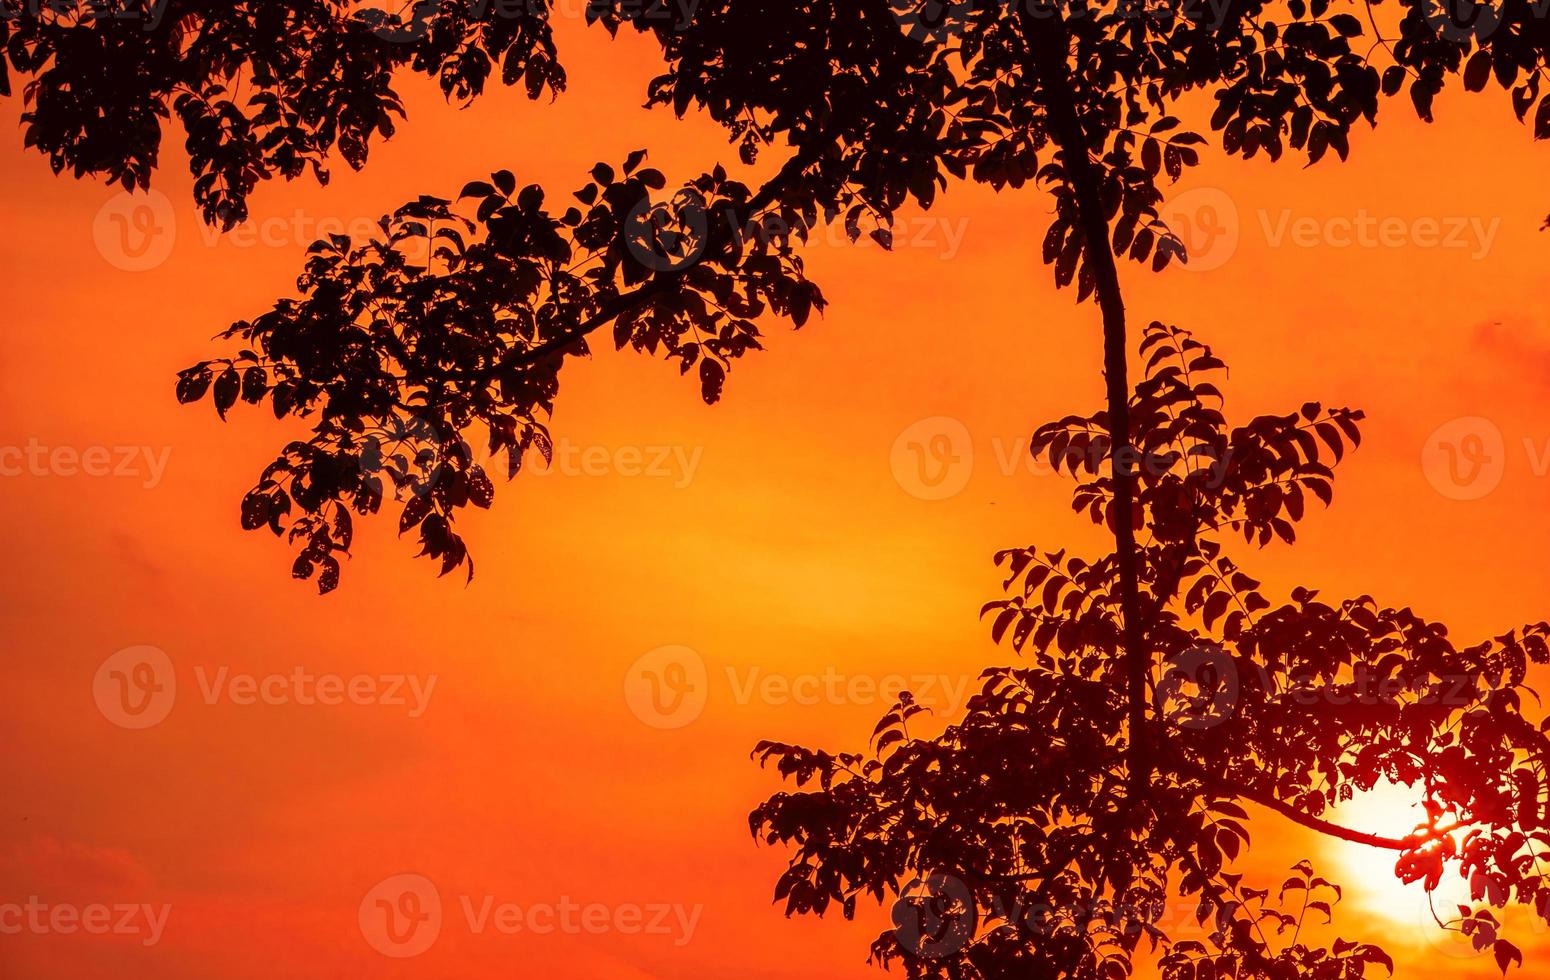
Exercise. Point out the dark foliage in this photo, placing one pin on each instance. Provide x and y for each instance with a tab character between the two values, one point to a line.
261	89
1015	843
876	113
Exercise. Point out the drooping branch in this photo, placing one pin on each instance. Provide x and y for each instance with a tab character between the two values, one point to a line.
1270	802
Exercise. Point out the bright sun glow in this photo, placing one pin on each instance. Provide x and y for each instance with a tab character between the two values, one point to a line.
1367	873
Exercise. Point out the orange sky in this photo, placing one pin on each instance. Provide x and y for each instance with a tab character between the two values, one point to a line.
777	539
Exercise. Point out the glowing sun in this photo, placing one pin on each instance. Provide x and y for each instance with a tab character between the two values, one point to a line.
1367	873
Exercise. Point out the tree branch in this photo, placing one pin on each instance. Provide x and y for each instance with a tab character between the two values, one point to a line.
1270	802
1049	47
635	298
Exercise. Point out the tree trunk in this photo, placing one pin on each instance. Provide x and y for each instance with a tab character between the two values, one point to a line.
1049	47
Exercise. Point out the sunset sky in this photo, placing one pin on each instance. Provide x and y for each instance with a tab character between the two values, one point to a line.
786	543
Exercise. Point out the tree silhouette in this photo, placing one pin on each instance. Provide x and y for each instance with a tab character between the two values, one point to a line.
453	323
398	357
1018	842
